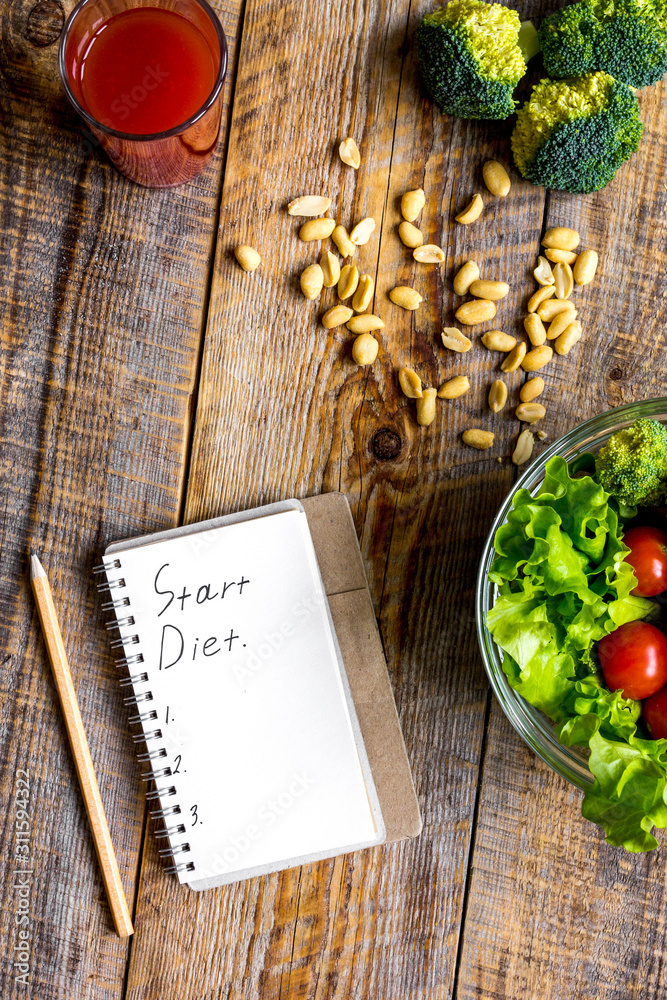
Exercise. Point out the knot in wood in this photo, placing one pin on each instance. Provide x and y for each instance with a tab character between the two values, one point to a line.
45	23
386	444
617	374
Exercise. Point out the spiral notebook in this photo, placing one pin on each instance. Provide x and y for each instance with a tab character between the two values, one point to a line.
238	690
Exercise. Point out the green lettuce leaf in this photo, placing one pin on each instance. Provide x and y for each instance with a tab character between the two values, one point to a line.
629	796
563	583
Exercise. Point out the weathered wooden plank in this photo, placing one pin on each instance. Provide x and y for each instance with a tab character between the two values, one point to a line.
102	316
553	910
283	411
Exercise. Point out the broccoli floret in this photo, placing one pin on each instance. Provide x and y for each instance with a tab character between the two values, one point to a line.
472	55
626	38
632	466
574	134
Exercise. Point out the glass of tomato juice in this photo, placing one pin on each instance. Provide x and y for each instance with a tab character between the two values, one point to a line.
146	77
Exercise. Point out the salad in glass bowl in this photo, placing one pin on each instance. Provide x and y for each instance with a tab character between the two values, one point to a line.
570	615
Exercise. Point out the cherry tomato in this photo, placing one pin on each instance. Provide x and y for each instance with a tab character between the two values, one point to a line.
654	711
648	558
634	659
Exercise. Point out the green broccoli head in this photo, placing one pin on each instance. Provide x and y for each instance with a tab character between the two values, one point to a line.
574	134
632	466
472	55
625	38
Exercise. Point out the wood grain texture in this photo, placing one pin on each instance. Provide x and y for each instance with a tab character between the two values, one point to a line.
553	911
101	321
283	411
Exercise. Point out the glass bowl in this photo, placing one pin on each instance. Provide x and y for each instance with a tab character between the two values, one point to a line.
534	727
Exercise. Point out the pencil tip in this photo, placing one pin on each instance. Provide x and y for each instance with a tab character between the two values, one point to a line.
36	568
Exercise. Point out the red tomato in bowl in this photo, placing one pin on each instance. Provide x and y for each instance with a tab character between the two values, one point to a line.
648	558
634	659
654	711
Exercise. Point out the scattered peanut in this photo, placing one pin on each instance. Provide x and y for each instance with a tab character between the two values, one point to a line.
491	290
538	297
531	389
336	316
568	338
429	254
497	395
530	413
410	235
496	340
412	203
426	407
563	280
534	327
365	323
561	238
364	294
247	257
454	387
465	276
560	256
330	268
472	212
560	322
477	438
410	383
478	311
317	229
496	178
543	274
542	435
349	153
365	349
524	447
348	281
514	358
312	281
342	240
309	204
585	267
405	297
454	340
361	233
549	309
537	358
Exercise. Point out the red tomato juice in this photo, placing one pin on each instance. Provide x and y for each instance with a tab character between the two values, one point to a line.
145	70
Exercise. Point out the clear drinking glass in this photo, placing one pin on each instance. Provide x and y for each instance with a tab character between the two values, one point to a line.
160	159
534	727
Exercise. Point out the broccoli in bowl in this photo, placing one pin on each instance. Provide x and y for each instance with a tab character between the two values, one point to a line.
472	55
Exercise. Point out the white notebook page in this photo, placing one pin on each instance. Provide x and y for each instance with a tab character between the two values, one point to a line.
233	627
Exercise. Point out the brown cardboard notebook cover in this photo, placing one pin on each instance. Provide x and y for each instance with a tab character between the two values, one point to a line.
337	549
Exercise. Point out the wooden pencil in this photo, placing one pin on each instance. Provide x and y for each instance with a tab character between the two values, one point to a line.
79	745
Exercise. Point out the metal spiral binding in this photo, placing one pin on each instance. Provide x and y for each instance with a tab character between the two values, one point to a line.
163	772
120	623
157	792
143	758
135	700
170	831
128	661
173	869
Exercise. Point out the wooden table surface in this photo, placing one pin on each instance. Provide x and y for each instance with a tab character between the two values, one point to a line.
147	381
